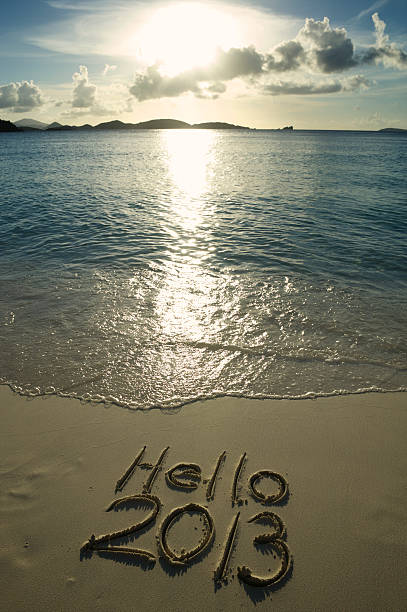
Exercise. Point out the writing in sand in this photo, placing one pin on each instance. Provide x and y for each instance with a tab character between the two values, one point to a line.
188	477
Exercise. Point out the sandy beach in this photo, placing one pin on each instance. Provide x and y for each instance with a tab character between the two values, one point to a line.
344	514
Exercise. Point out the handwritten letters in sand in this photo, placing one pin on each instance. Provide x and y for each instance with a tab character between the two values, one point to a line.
187	477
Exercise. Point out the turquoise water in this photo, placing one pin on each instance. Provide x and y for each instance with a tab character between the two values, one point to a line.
152	268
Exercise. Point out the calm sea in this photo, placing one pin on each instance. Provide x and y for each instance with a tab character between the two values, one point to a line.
152	268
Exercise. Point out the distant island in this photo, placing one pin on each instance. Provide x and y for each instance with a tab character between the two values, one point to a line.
33	125
153	124
24	125
392	130
7	126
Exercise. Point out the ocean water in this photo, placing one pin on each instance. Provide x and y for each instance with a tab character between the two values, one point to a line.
153	268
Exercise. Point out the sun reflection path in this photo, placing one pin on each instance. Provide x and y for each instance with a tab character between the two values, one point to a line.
185	300
190	157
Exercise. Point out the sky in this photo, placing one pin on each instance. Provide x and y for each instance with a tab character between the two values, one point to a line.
266	64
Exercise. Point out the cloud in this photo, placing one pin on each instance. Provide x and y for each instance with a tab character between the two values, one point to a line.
384	51
235	63
212	91
71	6
20	97
286	56
152	84
226	66
376	120
109	100
382	39
103	100
371	8
292	88
311	88
84	94
322	49
108	68
356	82
116	28
217	88
318	49
329	49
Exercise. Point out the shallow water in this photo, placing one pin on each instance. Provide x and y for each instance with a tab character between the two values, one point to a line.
157	267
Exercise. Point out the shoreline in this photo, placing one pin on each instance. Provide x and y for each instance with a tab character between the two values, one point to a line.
112	401
343	458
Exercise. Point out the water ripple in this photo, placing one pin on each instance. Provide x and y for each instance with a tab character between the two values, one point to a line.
157	268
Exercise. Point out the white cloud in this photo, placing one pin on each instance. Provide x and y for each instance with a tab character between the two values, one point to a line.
108	68
370	9
388	52
329	50
227	65
84	94
384	51
311	87
115	29
382	39
286	56
103	101
356	82
81	6
21	97
317	49
377	120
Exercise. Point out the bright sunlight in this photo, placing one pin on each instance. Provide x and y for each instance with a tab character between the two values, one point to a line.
184	35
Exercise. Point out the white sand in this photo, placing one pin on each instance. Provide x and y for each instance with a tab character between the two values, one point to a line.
344	458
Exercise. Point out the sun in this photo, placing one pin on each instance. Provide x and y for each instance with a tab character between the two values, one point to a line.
184	35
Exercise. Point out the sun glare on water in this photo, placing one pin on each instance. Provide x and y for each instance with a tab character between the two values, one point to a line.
185	35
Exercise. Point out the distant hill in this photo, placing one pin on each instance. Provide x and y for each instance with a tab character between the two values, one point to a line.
392	130
31	123
153	124
113	125
287	128
167	124
7	126
161	124
217	125
57	126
